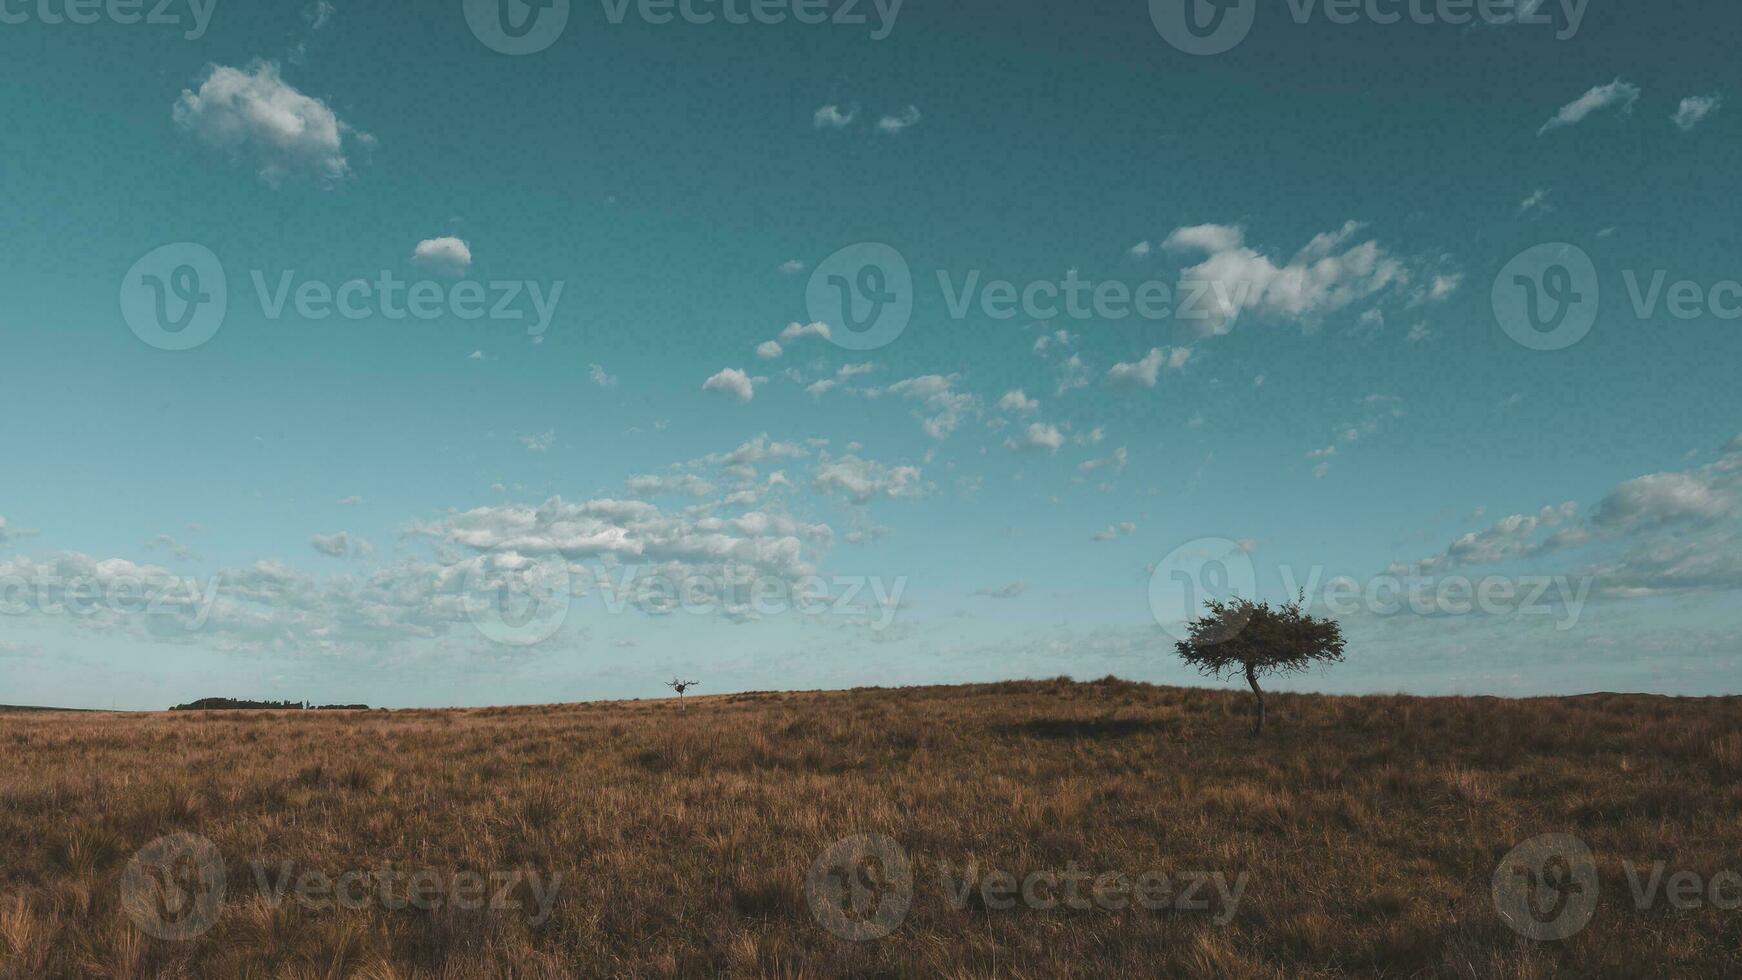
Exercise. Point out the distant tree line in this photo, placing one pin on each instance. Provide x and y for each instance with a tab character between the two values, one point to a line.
234	704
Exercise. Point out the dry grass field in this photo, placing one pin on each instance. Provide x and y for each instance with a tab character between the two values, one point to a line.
1368	831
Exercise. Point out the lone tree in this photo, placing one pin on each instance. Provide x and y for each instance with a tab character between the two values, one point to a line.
680	687
1239	636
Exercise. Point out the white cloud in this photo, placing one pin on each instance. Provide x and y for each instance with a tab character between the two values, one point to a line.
340	545
942	408
768	350
652	485
1145	371
817	389
795	331
1115	462
538	442
1329	274
1123	529
892	125
1694	109
1018	402
601	377
449	255
1037	436
733	382
1011	591
1616	93
1537	201
1139	250
791	267
253	114
318	14
833	117
864	480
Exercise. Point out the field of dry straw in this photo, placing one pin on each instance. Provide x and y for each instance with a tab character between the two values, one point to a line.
1360	836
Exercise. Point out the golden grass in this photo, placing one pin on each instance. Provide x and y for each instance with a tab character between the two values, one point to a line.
1369	828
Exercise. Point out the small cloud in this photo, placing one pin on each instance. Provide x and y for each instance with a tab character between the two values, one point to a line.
1010	591
1419	333
1615	94
252	113
1537	201
733	382
1145	371
768	350
1695	108
833	117
1037	437
341	545
601	377
1019	402
1139	250
791	267
794	331
350	501
447	255
318	14
1116	462
1123	529
476	355
892	125
538	442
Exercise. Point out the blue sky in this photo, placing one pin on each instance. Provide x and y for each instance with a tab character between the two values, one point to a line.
982	496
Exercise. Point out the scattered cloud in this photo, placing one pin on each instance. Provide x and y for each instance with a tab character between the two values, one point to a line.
538	442
862	480
902	121
447	255
1694	109
1113	532
253	115
1617	94
1038	436
733	382
1018	402
1145	371
601	377
833	117
1330	273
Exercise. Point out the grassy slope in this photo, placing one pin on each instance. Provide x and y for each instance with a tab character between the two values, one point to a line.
1369	827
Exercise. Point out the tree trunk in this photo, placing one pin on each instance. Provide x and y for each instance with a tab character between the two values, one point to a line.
1257	692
